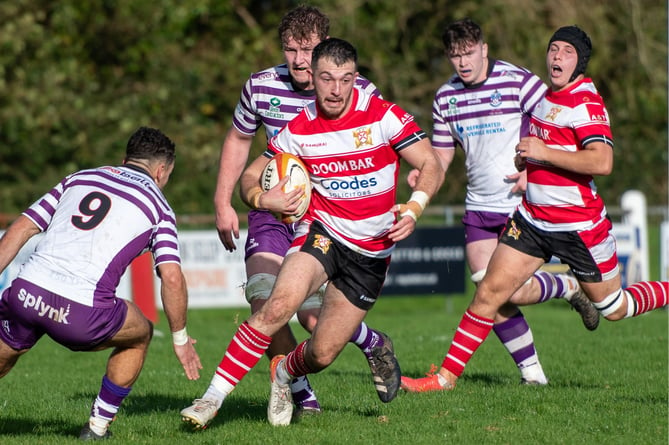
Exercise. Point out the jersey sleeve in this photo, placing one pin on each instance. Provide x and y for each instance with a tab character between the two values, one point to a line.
367	86
165	243
441	128
591	121
41	211
245	117
532	90
403	127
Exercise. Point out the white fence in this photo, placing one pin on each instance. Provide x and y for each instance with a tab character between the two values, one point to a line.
216	277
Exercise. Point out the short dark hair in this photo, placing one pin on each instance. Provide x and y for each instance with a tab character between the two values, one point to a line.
460	34
303	21
338	50
151	144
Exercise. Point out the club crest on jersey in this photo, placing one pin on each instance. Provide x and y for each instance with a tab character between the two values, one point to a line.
322	243
362	136
552	114
452	107
495	99
513	232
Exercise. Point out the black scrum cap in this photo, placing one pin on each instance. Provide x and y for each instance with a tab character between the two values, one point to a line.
577	38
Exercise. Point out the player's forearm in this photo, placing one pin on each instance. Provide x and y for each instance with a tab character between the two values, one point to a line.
227	181
445	157
234	154
249	184
174	295
595	159
16	236
430	178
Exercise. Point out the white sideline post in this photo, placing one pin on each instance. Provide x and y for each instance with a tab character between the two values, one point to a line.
664	251
633	205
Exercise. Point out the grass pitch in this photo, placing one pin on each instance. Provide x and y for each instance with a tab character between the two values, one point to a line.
609	386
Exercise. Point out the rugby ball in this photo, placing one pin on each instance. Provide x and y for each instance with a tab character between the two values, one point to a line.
280	166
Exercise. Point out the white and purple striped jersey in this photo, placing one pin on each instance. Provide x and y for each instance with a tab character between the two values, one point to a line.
269	98
487	120
95	222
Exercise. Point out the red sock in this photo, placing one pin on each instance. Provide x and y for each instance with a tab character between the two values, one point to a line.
471	332
295	364
244	351
648	295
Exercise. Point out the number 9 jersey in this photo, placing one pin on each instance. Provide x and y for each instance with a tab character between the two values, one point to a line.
95	222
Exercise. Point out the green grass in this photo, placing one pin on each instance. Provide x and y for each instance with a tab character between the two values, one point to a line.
606	387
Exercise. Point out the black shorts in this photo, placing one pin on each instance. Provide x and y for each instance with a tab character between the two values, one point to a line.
590	254
359	277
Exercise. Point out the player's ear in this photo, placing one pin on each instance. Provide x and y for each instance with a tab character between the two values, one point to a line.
161	173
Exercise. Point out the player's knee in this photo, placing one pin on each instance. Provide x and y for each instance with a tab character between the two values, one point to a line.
151	328
144	335
274	313
8	358
259	286
321	359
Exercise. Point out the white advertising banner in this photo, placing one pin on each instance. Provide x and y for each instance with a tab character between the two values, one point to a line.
215	277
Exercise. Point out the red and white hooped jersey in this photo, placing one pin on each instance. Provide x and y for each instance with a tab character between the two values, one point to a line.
557	199
353	164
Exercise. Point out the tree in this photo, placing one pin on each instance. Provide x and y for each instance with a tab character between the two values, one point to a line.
76	78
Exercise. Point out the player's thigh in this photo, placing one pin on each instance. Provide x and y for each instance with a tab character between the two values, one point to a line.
135	331
300	276
8	357
301	273
479	253
507	271
263	262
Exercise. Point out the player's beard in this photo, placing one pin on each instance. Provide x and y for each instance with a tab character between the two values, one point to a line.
334	109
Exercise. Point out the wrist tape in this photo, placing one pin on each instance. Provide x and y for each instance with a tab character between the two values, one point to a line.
415	206
180	338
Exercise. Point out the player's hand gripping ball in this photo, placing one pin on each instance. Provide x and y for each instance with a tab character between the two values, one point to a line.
280	166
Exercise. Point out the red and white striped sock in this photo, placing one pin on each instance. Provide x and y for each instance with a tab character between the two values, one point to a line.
471	332
646	296
295	365
244	351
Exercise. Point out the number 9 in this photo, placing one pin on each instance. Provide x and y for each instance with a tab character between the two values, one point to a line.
95	213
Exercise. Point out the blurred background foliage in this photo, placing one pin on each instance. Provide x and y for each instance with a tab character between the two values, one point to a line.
77	78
